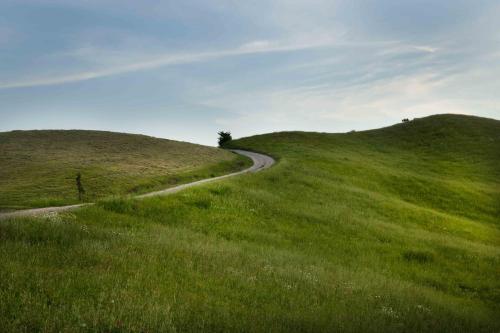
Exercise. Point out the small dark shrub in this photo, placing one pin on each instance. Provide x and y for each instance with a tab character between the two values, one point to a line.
79	186
220	191
173	180
202	204
405	120
420	257
224	137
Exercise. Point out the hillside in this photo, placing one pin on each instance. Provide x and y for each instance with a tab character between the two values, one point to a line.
38	168
389	230
448	163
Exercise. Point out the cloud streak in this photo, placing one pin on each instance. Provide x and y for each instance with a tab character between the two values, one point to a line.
255	47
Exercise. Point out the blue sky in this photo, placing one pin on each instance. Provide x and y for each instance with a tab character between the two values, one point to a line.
185	69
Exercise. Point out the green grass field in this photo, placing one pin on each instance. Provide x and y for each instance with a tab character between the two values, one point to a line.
38	168
390	230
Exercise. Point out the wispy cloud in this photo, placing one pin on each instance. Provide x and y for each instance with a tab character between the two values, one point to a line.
361	105
425	48
254	47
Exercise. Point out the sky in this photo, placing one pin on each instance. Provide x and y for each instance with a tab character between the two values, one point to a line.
185	69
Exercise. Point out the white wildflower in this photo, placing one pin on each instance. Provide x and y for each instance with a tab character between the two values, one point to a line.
390	312
423	308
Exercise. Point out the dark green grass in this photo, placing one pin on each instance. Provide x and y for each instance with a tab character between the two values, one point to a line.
38	168
382	231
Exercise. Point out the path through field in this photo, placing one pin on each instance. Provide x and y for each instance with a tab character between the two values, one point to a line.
260	162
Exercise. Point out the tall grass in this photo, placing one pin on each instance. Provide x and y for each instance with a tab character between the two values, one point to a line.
380	231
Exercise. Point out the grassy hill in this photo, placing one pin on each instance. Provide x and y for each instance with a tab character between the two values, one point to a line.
390	230
38	168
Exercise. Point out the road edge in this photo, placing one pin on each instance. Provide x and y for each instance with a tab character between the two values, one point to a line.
260	162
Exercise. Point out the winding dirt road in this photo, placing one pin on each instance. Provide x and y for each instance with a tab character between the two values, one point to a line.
260	162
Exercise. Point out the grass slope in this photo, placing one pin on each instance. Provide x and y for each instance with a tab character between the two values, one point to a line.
38	168
387	230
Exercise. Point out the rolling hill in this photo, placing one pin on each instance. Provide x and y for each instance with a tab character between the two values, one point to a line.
38	168
388	230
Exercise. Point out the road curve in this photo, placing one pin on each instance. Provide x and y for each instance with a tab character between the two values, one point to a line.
260	162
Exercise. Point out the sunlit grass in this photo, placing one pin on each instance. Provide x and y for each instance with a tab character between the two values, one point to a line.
38	168
379	231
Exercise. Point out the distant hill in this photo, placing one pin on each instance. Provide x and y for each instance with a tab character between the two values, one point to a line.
38	168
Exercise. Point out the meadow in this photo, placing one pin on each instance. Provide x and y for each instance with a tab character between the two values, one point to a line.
388	230
39	168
